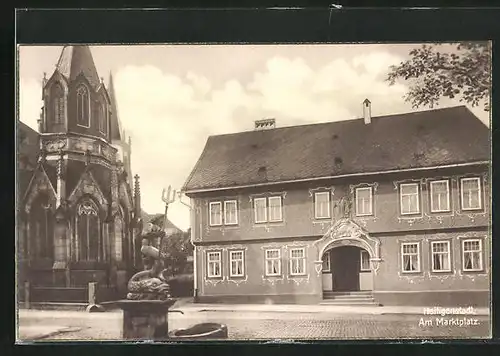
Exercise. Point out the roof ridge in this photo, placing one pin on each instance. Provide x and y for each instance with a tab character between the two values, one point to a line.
346	120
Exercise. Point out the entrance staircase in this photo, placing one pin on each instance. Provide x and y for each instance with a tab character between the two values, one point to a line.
348	298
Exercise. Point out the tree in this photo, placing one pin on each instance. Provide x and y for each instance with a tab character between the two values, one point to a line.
175	248
463	73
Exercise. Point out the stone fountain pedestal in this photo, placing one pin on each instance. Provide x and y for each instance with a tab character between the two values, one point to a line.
145	319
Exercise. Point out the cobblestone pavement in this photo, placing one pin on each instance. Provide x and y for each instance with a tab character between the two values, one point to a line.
251	325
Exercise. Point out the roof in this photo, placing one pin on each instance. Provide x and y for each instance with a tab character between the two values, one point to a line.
115	119
157	219
412	140
75	60
28	146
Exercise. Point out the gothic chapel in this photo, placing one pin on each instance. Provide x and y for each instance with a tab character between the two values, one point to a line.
78	213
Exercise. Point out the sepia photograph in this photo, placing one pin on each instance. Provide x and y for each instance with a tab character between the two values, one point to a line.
208	192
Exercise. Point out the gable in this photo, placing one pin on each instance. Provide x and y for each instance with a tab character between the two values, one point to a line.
87	185
40	183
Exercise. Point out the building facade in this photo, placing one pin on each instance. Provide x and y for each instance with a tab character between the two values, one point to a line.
78	212
395	207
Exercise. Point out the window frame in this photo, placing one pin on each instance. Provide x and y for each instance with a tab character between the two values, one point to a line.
448	196
231	260
481	267
303	249
87	93
479	193
448	244
269	208
255	200
219	261
226	203
329	214
419	210
370	189
266	258
361	269
213	203
57	94
419	270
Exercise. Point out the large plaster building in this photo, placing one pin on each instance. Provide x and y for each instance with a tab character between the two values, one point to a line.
388	210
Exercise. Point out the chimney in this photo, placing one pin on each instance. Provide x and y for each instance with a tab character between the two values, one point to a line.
367	111
265	124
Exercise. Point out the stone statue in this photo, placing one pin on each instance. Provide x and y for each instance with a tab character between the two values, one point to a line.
344	207
149	284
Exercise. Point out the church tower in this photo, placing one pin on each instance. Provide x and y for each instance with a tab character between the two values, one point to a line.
85	225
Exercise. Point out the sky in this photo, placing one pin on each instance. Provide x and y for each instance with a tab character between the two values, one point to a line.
170	98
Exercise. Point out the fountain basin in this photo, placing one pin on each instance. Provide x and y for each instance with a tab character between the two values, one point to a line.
145	319
203	331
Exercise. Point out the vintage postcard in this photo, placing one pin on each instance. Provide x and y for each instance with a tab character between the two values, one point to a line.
206	192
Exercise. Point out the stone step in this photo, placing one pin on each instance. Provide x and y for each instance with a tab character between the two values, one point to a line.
362	292
348	302
350	299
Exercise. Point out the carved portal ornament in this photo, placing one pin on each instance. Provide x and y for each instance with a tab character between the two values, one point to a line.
346	232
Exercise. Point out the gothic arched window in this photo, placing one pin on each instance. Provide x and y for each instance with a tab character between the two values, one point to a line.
103	122
58	103
88	225
82	106
41	229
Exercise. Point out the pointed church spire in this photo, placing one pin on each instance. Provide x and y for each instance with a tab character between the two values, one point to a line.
76	60
116	130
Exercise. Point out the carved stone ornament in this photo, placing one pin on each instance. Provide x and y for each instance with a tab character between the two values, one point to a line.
107	152
55	145
84	145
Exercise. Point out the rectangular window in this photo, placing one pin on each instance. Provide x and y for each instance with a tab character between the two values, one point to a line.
471	193
410	257
364	199
273	262
440	196
214	264
231	212
365	261
236	259
326	262
322	205
260	210
275	211
409	195
297	261
440	256
215	213
472	255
